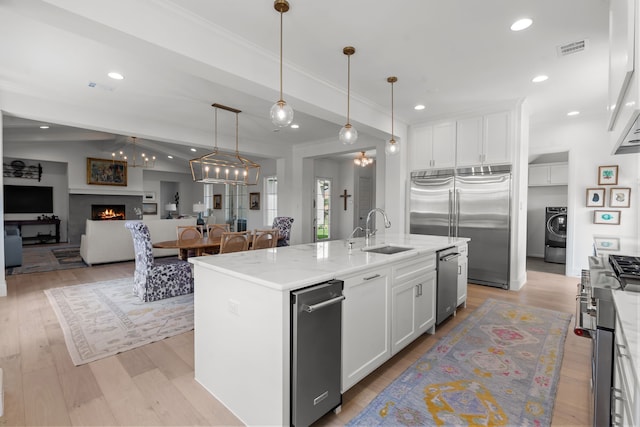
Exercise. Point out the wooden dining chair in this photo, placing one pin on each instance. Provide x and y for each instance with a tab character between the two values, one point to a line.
263	239
234	241
189	232
214	232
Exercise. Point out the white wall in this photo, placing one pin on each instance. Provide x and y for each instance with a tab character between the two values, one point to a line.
587	141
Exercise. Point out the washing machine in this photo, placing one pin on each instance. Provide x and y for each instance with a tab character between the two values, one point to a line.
555	240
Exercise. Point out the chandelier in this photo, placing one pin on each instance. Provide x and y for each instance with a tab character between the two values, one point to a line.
224	168
136	161
362	160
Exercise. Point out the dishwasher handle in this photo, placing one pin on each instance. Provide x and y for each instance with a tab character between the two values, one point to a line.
450	257
314	307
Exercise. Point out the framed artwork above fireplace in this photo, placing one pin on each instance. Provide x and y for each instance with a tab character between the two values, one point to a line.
106	172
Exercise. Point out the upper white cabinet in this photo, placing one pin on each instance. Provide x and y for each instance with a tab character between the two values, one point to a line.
471	141
433	147
548	174
483	140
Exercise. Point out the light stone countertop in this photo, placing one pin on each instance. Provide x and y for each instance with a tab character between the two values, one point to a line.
628	309
293	267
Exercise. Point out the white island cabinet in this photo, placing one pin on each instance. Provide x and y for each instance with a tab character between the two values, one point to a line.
242	314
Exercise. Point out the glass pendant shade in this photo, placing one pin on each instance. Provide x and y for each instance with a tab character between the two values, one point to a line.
348	134
281	114
392	147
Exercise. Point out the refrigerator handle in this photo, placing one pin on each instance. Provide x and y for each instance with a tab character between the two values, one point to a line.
450	213
457	201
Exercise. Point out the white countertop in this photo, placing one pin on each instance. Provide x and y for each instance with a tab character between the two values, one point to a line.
293	267
628	309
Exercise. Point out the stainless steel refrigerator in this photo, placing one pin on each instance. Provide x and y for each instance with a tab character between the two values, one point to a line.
469	202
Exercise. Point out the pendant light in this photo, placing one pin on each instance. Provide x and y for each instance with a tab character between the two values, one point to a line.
281	112
218	167
348	134
392	147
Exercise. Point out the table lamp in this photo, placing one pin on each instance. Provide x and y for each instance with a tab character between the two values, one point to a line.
199	208
170	207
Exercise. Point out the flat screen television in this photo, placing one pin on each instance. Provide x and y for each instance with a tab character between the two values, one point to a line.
28	199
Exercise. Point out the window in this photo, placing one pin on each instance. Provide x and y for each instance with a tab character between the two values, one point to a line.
270	202
323	208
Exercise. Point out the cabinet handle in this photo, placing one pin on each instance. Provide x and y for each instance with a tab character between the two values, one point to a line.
420	289
417	291
375	276
459	270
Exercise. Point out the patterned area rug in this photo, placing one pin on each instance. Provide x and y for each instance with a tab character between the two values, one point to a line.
39	259
105	318
499	367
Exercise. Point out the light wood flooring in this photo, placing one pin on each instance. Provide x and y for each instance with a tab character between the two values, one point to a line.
154	385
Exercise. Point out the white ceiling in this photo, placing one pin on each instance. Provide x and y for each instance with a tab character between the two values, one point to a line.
179	57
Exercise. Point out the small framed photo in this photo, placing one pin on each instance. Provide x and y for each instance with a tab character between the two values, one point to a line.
254	201
606	217
608	175
150	208
607	243
595	197
620	198
217	201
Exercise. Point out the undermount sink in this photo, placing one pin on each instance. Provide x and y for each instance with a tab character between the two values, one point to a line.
387	249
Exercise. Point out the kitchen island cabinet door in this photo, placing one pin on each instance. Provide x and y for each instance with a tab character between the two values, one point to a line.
365	324
463	276
426	304
413	310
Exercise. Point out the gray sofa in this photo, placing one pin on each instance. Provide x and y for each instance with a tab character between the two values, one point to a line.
12	247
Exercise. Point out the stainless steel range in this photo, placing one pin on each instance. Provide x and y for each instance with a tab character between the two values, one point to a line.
627	269
595	319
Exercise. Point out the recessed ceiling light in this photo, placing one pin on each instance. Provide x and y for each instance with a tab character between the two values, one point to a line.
419	107
44	127
540	78
295	126
115	75
194	150
573	113
169	157
521	24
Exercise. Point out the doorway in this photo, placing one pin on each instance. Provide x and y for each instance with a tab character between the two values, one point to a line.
322	209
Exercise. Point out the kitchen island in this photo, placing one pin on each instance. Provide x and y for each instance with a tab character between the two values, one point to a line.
242	313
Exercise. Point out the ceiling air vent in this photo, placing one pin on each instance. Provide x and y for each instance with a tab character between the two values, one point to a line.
570	48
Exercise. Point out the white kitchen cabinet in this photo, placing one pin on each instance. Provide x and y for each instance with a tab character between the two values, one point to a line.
463	263
432	147
548	174
365	324
625	397
483	140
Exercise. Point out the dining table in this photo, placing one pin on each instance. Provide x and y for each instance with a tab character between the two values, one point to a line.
199	245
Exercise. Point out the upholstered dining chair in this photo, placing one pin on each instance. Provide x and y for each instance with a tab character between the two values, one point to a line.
234	241
283	224
156	280
263	239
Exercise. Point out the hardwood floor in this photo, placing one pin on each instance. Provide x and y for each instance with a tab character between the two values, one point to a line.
154	385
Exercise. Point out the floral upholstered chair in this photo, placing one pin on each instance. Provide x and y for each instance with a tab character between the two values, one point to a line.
283	224
156	280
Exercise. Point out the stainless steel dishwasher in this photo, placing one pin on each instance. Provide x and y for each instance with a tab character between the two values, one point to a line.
316	351
447	286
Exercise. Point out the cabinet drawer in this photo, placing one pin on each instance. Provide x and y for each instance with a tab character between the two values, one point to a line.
364	276
406	270
463	250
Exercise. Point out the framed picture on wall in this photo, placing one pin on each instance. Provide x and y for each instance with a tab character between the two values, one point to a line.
254	201
595	197
217	201
620	198
150	208
607	243
106	172
606	217
608	175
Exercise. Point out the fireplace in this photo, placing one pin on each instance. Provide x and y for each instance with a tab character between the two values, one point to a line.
108	212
